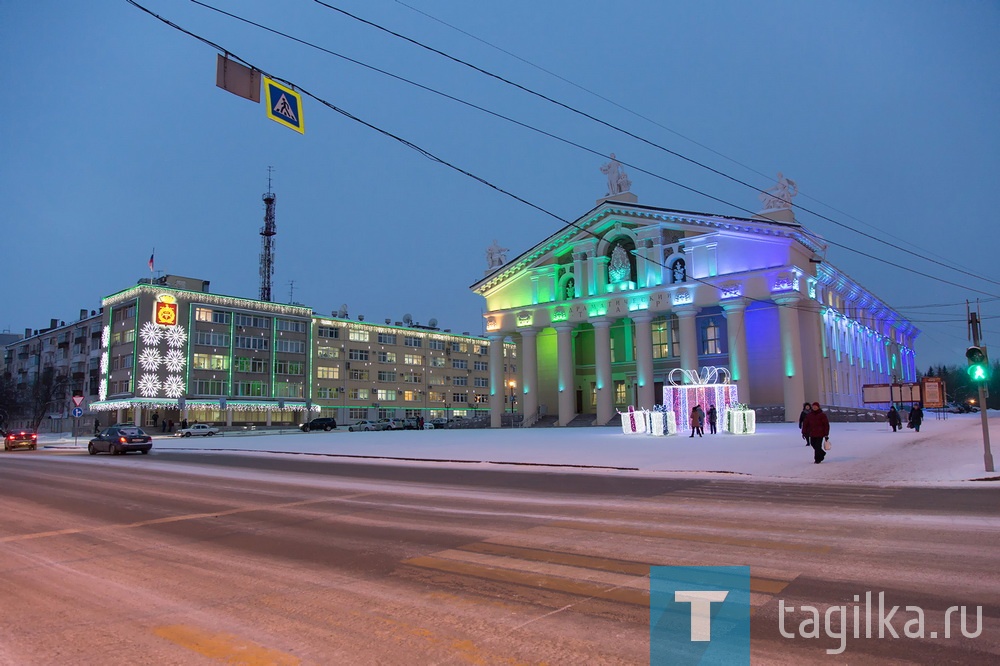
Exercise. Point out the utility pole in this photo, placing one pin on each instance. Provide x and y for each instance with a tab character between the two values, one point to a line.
974	334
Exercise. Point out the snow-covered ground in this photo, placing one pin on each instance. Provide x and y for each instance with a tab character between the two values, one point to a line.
945	451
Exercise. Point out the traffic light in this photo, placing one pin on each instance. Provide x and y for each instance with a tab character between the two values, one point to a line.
979	368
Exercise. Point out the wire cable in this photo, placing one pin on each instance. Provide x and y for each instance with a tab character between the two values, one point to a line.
632	135
806	307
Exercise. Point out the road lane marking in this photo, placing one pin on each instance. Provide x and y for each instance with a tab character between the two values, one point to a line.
533	580
688	536
174	519
225	647
631	568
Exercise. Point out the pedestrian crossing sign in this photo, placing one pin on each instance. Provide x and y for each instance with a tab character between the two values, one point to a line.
284	105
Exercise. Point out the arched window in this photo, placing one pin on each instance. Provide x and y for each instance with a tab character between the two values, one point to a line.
621	261
710	343
678	271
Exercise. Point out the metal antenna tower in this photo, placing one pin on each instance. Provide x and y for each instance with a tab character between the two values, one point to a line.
267	233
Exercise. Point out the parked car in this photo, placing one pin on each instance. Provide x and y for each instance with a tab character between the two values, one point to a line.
325	423
119	440
409	424
365	426
20	438
439	423
198	429
392	424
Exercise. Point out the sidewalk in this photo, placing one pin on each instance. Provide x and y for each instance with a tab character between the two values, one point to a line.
944	452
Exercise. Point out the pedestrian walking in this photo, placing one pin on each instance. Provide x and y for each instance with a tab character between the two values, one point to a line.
163	425
156	417
184	424
713	418
893	418
802	417
170	425
816	429
97	427
916	417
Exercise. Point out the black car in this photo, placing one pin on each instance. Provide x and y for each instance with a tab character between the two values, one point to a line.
20	438
120	439
327	424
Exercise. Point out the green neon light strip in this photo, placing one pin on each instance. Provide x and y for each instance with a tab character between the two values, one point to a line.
232	332
107	352
190	348
274	358
309	378
135	348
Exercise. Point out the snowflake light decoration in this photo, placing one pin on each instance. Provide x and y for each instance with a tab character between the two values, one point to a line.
149	385
150	359
175	336
173	387
174	360
102	391
105	337
104	364
151	333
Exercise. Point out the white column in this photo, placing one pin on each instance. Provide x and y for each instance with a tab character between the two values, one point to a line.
579	286
602	362
529	371
601	266
497	388
567	368
640	263
137	414
688	337
592	274
791	355
737	336
644	360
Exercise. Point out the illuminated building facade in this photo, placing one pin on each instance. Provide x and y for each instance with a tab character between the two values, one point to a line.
174	348
605	308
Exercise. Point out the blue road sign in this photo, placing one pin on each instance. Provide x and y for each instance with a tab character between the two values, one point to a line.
77	412
284	105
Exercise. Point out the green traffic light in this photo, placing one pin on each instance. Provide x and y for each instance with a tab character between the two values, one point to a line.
977	373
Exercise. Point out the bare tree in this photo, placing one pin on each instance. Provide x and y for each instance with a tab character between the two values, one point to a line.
47	388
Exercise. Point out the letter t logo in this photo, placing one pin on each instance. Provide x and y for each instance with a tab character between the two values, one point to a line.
701	610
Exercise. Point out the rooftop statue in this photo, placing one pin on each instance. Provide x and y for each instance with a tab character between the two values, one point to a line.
780	196
496	255
618	181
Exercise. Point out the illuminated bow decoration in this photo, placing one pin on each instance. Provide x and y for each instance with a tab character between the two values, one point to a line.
709	375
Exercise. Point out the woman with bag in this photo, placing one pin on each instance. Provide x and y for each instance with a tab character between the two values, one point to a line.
894	419
816	429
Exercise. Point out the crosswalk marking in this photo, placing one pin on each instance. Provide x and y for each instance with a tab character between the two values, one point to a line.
691	536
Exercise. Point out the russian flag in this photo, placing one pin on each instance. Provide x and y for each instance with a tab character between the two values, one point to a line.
151	263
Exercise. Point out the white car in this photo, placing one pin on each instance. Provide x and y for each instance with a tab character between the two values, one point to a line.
198	429
366	426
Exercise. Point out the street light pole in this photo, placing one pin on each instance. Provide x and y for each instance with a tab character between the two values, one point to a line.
512	384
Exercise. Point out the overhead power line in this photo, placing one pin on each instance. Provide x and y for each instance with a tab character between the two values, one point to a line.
572	143
645	117
415	147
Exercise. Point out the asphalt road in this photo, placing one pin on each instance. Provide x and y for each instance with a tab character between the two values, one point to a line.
194	558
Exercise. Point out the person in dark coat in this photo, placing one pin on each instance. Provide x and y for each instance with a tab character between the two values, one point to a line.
816	429
697	421
916	417
802	417
713	418
893	418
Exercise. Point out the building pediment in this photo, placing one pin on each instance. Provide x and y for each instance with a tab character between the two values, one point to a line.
612	220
